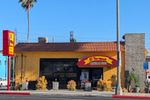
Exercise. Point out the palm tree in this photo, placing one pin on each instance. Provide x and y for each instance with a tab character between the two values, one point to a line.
27	4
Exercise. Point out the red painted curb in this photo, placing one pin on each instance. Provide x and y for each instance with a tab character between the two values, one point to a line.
15	93
132	97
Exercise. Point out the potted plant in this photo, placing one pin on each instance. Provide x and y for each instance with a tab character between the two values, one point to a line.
133	79
137	84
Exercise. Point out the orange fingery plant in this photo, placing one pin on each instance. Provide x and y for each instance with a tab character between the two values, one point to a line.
41	83
71	85
103	85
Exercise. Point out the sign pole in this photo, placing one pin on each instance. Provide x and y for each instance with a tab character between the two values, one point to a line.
8	77
8	50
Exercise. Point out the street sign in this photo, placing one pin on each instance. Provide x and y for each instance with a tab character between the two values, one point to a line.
145	66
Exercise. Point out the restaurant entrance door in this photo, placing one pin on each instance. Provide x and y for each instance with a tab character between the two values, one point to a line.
95	75
92	75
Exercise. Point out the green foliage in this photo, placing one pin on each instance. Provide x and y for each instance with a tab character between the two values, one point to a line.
133	78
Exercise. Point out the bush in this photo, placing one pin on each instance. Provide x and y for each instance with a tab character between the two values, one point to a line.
103	85
41	83
71	85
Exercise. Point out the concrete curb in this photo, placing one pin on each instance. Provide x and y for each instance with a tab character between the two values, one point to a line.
14	92
131	97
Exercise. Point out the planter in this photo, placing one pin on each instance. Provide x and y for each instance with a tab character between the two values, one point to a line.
87	86
137	89
114	88
55	85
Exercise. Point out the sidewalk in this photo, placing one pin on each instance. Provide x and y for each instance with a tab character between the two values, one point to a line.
60	92
73	93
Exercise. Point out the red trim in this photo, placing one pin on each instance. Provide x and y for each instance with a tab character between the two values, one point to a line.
97	61
15	93
131	97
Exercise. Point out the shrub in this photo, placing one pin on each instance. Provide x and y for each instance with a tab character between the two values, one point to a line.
71	85
103	85
41	83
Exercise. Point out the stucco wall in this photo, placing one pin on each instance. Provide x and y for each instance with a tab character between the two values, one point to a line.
31	62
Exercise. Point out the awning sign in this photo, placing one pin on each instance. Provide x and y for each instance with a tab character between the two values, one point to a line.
97	61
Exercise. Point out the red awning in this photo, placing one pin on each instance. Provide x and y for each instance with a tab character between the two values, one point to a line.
97	61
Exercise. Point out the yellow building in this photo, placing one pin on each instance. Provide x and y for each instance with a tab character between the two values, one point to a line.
65	61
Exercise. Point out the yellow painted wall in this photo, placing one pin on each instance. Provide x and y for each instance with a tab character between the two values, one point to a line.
31	63
109	71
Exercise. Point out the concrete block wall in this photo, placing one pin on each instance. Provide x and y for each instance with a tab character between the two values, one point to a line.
134	56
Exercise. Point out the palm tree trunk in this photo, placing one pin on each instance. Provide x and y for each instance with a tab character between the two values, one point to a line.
28	18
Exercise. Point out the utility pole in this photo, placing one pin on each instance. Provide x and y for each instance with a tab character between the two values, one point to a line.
16	39
118	89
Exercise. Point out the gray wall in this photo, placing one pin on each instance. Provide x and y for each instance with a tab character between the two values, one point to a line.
134	55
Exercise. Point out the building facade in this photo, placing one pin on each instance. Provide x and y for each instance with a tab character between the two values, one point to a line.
79	61
67	61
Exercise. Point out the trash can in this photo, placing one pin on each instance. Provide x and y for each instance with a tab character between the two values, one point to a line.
55	85
88	86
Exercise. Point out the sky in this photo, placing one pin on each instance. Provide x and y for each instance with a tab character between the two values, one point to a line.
90	20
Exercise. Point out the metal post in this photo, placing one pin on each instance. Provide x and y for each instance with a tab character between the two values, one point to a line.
5	68
21	68
8	77
118	89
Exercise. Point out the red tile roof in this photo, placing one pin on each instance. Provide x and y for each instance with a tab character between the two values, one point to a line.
77	46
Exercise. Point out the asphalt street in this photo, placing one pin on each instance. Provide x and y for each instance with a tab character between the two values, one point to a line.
56	97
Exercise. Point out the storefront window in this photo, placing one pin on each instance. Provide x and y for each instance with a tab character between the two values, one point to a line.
61	69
